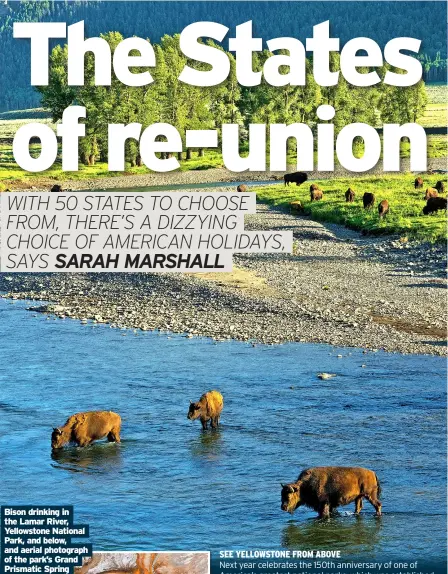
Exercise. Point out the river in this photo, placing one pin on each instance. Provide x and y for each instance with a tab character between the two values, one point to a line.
169	485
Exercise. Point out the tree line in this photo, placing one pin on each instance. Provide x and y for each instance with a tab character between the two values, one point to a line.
189	107
380	21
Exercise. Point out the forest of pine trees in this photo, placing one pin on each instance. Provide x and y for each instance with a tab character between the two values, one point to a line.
190	107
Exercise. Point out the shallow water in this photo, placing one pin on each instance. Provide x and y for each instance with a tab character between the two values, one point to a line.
170	486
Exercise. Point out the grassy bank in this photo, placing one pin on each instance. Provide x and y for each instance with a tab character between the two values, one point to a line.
406	204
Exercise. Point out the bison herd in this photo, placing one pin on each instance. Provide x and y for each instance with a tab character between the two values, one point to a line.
320	488
433	200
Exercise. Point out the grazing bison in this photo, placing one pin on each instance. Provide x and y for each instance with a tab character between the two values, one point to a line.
430	192
208	408
383	208
349	195
296	206
316	195
327	487
368	200
440	186
84	428
434	204
56	188
297	177
242	188
418	183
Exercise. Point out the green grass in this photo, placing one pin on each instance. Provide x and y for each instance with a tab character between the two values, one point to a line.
436	113
405	217
437	93
11	172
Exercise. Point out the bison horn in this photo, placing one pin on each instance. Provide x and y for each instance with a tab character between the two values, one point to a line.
282	485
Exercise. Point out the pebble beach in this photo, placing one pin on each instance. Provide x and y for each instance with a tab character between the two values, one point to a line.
338	287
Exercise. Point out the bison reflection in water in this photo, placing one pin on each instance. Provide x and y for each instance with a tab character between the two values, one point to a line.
145	563
354	536
96	458
327	487
207	445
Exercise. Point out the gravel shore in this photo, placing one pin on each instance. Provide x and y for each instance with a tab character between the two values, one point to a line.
338	287
196	177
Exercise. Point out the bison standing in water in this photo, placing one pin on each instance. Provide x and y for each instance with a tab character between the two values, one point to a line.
84	428
297	177
327	487
208	408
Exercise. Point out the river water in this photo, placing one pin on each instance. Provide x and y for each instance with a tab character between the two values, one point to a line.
170	486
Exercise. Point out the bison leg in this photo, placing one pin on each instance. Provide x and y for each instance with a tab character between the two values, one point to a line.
324	510
114	435
374	502
84	442
204	423
358	505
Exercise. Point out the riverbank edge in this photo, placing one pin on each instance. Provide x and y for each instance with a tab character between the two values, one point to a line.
194	177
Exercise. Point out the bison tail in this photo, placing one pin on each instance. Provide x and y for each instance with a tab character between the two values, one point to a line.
378	486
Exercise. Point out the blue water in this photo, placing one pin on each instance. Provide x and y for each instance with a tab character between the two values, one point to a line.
171	486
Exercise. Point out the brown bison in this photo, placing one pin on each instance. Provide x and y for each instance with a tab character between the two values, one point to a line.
327	487
314	186
368	200
297	177
84	428
383	208
242	188
440	186
434	204
430	192
418	183
208	408
349	195
316	195
296	206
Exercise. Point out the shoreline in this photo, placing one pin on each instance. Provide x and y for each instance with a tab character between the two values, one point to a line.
337	288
